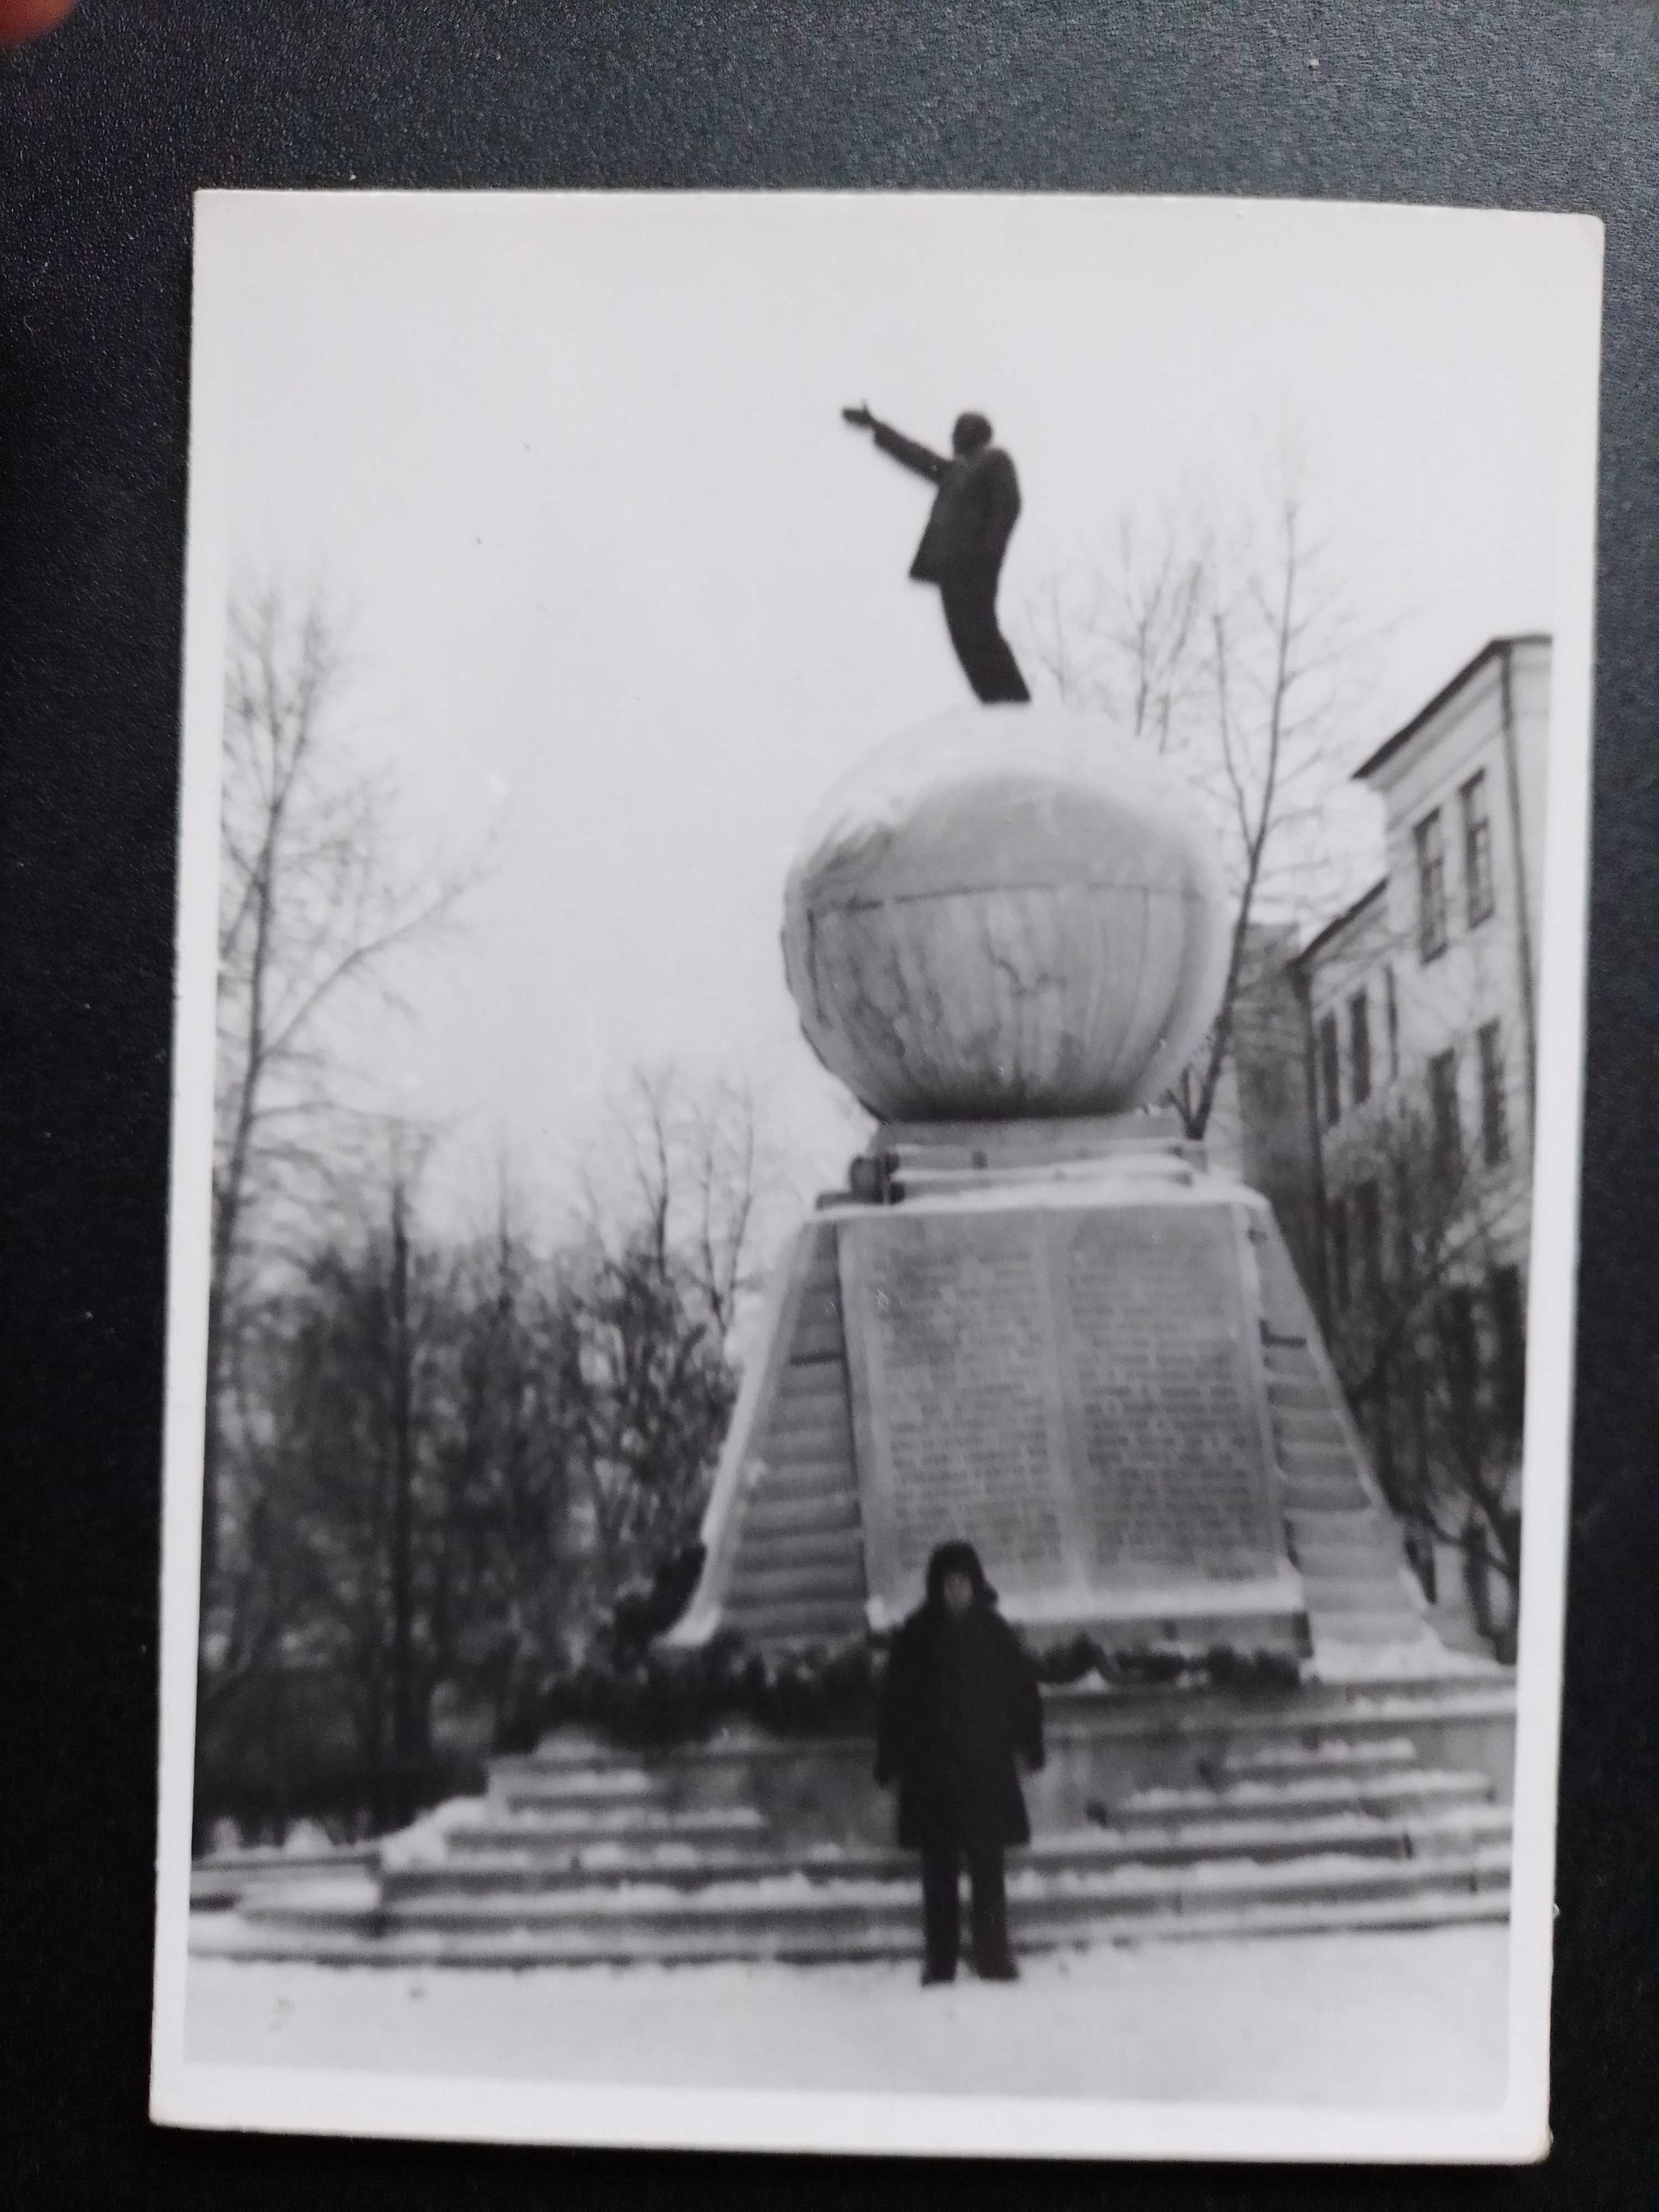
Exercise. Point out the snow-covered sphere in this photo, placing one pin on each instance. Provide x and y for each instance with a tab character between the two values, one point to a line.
1008	911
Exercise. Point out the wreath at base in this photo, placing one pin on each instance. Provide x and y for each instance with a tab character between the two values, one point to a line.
628	1689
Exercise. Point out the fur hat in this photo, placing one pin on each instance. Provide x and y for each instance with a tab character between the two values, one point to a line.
957	1557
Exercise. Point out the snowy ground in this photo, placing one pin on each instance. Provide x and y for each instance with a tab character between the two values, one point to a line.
1410	2021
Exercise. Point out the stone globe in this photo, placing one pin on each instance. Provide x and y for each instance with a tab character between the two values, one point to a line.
1009	911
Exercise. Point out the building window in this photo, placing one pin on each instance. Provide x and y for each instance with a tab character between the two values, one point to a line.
1477	848
1359	1039
1393	1024
1460	1351
1431	887
1329	1073
1340	1284
1403	1213
1510	1331
1443	1109
1494	1128
1368	1231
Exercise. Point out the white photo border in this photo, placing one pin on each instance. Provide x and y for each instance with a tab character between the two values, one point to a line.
191	2093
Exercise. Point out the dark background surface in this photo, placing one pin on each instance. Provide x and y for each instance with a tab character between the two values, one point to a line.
104	131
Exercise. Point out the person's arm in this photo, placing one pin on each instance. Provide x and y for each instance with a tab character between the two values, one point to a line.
1027	1702
906	451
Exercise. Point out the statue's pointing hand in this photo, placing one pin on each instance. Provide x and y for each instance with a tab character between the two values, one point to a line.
859	416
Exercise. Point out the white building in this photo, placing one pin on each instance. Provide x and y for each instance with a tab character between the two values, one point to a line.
1420	1007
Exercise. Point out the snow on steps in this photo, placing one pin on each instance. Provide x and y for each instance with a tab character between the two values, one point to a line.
574	1859
494	1859
1412	1792
1360	1594
513	1948
782	1920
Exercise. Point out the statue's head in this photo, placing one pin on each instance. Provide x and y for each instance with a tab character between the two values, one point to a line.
972	431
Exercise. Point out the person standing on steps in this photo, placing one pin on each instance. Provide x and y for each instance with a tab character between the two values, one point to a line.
959	1700
962	548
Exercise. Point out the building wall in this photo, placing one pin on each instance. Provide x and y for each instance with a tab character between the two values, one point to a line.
1529	662
1487	970
1492	723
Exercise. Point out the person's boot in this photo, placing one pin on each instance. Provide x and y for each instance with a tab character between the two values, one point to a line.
936	1970
1000	1969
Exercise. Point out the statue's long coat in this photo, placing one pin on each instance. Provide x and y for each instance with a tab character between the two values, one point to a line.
974	512
956	1768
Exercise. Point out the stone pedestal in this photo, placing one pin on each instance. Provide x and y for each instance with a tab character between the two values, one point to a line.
1069	1375
1049	1341
1035	1320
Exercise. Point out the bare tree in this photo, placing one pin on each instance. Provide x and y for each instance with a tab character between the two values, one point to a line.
1124	639
1427	1311
1232	651
665	1259
314	904
505	1600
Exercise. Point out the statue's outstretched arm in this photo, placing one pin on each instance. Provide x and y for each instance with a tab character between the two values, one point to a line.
908	450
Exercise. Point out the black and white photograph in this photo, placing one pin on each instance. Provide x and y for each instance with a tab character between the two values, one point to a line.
876	1132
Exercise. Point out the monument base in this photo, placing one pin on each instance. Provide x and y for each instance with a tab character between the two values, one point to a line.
1073	1345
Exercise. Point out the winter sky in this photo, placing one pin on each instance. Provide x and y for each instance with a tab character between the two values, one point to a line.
629	595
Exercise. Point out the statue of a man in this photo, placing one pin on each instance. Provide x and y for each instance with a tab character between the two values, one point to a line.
962	548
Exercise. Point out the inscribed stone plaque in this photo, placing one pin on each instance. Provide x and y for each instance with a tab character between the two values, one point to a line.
1076	1390
1169	1441
954	1351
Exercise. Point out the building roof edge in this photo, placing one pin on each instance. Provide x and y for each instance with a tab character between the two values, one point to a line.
1465	674
1346	915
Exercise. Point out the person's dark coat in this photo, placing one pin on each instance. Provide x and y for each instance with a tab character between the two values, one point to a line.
974	511
959	1700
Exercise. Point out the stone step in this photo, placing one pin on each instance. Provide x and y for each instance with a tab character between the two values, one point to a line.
1307	1493
818	1428
775	1513
1317	1459
1329	1755
1383	1795
1370	1594
1373	1583
1297	1394
796	1548
809	1382
506	1869
226	1936
596	1788
1299	1426
1286	1361
1338	1486
1402	1627
760	1918
1367	1559
224	1878
813	1581
819	1338
800	1620
798	1476
802	1446
1351	1516
536	1823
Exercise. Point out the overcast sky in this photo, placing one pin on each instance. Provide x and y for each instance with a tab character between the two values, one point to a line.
629	595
